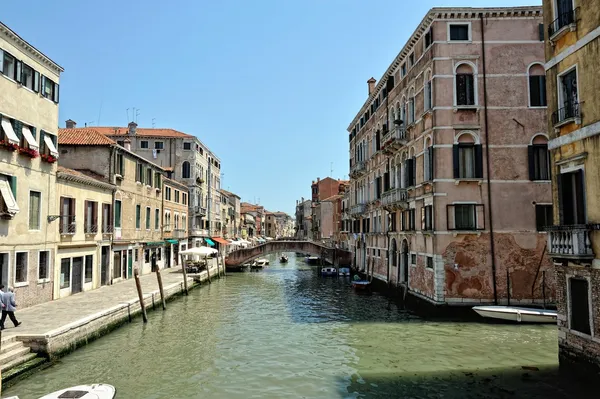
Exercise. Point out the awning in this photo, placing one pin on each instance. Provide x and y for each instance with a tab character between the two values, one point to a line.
29	137
155	243
209	241
50	145
221	241
10	133
9	199
172	241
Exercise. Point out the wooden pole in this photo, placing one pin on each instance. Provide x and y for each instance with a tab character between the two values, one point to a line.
224	267
160	288
185	287
508	286
218	271
207	270
138	285
0	368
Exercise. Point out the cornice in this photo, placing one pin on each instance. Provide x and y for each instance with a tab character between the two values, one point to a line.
20	42
85	180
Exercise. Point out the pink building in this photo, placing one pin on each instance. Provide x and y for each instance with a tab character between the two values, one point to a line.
450	184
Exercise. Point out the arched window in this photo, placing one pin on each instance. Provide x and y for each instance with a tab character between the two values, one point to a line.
465	83
539	158
411	106
427	94
467	159
537	85
403	110
185	170
393	248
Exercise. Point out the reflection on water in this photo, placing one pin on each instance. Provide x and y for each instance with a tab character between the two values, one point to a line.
286	333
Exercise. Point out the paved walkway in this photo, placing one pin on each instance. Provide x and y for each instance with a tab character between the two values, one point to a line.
43	318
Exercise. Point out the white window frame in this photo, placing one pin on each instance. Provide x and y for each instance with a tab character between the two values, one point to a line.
162	143
14	276
427	107
560	96
529	86
9	271
476	218
454	23
475	85
44	280
39	211
590	303
147	145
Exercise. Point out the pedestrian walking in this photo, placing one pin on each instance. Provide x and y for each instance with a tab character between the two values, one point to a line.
9	306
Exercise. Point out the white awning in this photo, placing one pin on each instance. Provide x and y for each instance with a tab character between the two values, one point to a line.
50	145
29	137
10	133
10	203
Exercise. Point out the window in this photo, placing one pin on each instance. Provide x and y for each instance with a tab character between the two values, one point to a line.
427	218
427	92
183	222
184	198
187	146
138	215
121	143
117	214
91	217
67	215
428	164
564	14
43	265
157	180
89	269
177	196
430	262
403	70
156	218
159	145
65	273
539	162
428	39
35	198
465	85
543	216
168	193
464	217
459	32
167	223
410	177
106	221
568	98
119	164
579	308
468	160
49	89
21	267
147	255
408	220
411	60
144	144
28	76
413	259
148	177
139	173
411	106
185	170
8	67
571	194
176	221
537	86
147	218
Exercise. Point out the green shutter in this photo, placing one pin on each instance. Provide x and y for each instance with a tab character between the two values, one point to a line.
34	132
13	185
118	214
138	210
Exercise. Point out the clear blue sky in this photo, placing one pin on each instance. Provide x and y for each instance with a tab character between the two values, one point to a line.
269	85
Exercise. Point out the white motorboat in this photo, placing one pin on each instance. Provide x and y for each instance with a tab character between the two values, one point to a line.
94	391
262	262
518	314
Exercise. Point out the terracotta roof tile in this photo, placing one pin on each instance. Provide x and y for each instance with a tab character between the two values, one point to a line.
83	136
82	173
140	131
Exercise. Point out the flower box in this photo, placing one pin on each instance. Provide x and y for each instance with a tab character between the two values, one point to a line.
48	158
31	153
7	145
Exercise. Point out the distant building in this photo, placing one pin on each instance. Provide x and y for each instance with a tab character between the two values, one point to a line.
304	220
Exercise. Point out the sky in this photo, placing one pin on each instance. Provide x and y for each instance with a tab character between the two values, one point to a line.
270	86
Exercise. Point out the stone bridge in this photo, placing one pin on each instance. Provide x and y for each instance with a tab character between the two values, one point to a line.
334	256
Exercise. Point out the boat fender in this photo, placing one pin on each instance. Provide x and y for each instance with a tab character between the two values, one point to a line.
518	316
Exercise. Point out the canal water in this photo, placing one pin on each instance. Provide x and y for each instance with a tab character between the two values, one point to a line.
284	332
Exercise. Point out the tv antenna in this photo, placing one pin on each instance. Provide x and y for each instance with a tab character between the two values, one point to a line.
331	169
153	122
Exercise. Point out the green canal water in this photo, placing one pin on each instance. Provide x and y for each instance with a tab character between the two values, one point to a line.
284	332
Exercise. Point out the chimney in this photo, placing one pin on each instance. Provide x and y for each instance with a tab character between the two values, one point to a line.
318	179
371	82
71	124
127	143
132	128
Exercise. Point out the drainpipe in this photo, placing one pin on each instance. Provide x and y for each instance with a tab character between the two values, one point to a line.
111	174
487	161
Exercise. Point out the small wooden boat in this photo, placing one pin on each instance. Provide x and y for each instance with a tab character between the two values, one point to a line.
97	391
312	260
361	285
518	314
344	271
283	259
328	272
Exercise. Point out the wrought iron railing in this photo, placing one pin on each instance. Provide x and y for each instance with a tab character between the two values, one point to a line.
569	111
564	19
67	224
90	229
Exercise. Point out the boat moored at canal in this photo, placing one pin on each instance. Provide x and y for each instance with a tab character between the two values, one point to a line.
312	260
517	314
328	272
344	272
96	391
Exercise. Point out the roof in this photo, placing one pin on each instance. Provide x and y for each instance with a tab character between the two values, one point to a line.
333	198
230	194
141	131
83	176
83	136
10	33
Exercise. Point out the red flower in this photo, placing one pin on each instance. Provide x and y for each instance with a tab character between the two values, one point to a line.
30	152
8	145
48	158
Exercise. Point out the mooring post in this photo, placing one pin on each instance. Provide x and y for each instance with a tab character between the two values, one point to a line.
160	288
138	285
544	288
224	267
508	286
185	287
207	270
0	368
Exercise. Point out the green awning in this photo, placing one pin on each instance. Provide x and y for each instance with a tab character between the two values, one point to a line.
173	241
155	243
209	241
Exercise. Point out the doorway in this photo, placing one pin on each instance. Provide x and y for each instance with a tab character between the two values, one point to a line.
104	263
571	188
405	262
77	275
130	264
4	269
168	256
124	264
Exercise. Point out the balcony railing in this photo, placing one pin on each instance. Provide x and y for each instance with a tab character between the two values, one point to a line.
395	139
107	229
179	233
199	210
358	209
358	169
566	114
396	198
571	241
67	224
564	19
90	229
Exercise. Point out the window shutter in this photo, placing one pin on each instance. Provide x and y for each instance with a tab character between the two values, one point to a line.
431	163
478	161
531	159
56	90
423	218
414	171
36	81
534	91
541	32
542	86
19	71
455	159
539	217
1	61
43	86
85	214
13	185
426	165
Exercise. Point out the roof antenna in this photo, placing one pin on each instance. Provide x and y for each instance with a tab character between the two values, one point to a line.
100	112
331	169
137	113
127	115
153	124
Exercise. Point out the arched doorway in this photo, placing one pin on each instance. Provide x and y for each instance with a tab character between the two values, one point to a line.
393	258
404	262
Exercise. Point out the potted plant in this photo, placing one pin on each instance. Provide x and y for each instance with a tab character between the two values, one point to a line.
30	152
7	145
48	158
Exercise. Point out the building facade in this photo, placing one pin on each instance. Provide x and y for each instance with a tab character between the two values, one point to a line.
572	56
233	206
29	87
304	230
174	216
450	191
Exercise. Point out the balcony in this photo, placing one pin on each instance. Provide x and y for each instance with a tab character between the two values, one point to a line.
358	209
395	139
67	225
197	231
571	242
394	199
179	233
90	229
565	22
199	210
107	229
569	113
358	169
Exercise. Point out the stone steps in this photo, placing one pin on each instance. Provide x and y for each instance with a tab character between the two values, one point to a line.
16	355
8	346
